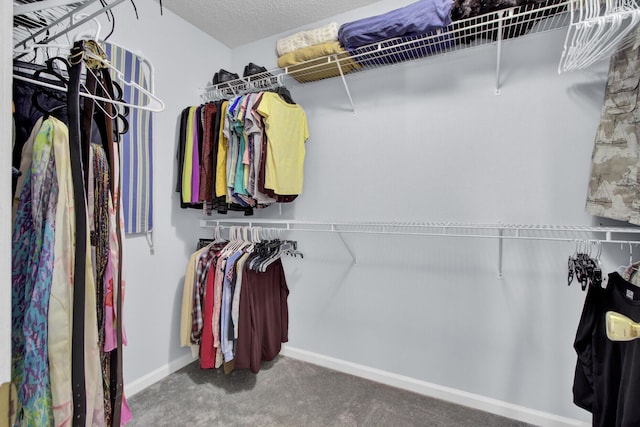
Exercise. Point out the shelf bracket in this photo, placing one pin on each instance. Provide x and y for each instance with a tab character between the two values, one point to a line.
499	50
500	243
344	82
344	242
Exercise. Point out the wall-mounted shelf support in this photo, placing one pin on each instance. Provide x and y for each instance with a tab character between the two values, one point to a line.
499	51
344	82
353	256
500	240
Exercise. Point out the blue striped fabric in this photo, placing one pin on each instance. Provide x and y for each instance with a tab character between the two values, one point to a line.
137	171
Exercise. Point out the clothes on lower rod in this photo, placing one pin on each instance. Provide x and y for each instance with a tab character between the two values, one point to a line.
234	316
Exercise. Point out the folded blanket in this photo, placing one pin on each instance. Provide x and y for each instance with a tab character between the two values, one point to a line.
316	63
418	18
308	38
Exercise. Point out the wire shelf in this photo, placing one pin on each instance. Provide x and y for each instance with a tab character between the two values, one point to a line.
463	34
40	21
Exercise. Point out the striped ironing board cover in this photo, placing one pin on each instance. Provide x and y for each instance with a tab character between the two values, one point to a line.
137	166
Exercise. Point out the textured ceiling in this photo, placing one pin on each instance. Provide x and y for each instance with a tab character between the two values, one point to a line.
235	23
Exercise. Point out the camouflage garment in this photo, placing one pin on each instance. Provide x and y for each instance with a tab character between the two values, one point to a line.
614	184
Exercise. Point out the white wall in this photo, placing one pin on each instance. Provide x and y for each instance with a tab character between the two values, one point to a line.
432	142
185	59
5	192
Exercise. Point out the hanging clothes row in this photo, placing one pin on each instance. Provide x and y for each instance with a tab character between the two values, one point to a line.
67	246
607	372
242	154
234	302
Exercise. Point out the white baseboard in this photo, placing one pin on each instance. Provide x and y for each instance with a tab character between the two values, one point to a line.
153	377
448	394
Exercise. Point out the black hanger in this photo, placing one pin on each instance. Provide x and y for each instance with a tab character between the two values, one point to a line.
35	101
586	270
285	94
42	73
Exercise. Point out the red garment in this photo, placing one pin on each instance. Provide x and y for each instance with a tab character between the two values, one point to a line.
263	322
207	349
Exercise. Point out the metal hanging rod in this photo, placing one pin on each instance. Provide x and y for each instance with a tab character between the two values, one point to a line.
559	233
448	229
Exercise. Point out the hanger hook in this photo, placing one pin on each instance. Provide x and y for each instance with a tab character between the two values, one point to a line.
93	36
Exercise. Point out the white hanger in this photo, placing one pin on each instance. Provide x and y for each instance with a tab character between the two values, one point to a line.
154	104
591	37
627	29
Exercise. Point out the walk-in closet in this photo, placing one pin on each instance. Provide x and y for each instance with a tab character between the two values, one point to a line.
382	212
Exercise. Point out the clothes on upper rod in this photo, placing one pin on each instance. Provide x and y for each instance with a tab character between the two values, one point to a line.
241	154
47	307
234	305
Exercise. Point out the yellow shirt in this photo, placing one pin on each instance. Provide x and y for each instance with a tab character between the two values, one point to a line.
221	161
286	129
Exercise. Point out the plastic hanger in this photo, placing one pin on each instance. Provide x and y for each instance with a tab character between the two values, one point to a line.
622	34
591	37
154	104
62	86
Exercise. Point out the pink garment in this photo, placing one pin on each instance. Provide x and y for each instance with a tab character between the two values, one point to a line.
111	293
109	312
125	414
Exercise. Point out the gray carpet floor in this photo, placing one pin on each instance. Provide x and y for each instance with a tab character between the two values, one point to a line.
287	392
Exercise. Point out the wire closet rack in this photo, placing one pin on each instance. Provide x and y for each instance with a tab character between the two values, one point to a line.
628	236
490	28
41	21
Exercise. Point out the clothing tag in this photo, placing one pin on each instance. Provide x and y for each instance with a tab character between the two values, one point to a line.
630	294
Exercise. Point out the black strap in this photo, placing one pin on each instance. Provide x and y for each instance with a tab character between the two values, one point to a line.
75	149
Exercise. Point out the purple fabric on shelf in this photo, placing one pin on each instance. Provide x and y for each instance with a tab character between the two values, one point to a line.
402	49
418	18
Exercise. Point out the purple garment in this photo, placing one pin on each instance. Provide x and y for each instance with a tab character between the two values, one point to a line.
195	170
415	19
